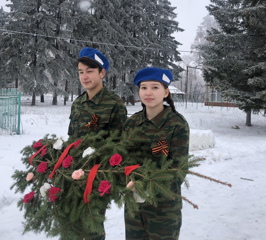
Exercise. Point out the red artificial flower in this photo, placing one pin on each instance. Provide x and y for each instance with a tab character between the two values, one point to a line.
104	187
115	160
53	193
28	197
67	161
42	167
37	144
43	152
77	143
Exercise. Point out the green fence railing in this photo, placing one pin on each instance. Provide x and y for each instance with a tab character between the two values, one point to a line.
10	100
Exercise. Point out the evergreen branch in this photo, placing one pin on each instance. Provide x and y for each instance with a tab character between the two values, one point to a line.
163	190
191	163
139	174
106	171
86	162
130	212
162	177
143	194
209	178
67	177
184	198
56	215
183	178
51	155
91	217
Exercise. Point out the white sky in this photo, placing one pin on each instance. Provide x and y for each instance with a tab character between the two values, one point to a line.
190	15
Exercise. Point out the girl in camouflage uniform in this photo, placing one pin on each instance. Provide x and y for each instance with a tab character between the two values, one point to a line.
157	122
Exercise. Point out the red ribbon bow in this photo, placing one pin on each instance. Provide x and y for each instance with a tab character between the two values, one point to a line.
162	146
94	121
129	169
88	189
61	158
35	154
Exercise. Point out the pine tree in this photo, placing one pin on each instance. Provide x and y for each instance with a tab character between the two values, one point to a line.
5	79
35	37
164	25
234	57
48	35
137	34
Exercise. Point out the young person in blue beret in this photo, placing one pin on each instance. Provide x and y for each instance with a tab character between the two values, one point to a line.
160	124
97	108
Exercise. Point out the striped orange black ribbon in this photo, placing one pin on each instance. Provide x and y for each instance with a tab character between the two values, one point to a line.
162	146
94	121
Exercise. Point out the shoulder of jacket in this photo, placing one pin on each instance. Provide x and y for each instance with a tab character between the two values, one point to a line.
113	96
180	118
81	95
135	115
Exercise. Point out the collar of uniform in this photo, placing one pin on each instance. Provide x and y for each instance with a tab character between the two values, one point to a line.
158	120
97	98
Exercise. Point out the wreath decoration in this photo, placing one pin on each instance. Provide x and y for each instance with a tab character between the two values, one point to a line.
70	184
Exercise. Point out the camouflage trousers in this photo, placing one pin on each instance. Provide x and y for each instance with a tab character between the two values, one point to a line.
155	223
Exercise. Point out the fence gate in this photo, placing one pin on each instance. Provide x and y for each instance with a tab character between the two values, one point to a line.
10	100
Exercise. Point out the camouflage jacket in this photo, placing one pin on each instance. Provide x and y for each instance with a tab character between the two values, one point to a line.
105	111
166	126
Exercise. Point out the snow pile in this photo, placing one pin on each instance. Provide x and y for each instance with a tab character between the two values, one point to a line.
201	139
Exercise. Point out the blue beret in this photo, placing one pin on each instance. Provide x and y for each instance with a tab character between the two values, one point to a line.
153	73
96	56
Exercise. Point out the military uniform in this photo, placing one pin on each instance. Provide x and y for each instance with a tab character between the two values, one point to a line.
105	111
164	221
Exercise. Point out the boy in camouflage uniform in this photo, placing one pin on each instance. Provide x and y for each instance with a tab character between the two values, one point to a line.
97	108
157	123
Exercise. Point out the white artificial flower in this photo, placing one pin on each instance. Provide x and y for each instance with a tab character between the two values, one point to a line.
44	189
58	144
88	152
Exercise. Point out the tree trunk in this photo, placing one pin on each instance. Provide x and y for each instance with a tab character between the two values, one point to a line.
54	98
16	83
55	95
248	118
42	98
66	88
114	82
33	99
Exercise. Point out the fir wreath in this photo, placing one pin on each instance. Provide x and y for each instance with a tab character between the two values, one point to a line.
72	183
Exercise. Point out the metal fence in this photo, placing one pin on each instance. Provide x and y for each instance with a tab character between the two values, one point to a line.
200	100
10	100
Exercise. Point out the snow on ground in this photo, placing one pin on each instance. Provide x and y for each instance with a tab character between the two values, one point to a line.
238	157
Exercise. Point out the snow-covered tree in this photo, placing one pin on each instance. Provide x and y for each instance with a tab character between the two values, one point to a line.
137	34
234	58
46	36
35	46
5	79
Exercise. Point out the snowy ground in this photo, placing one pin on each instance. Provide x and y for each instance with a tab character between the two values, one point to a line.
239	157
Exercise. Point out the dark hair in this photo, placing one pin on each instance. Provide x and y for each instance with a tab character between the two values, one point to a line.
168	99
90	63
